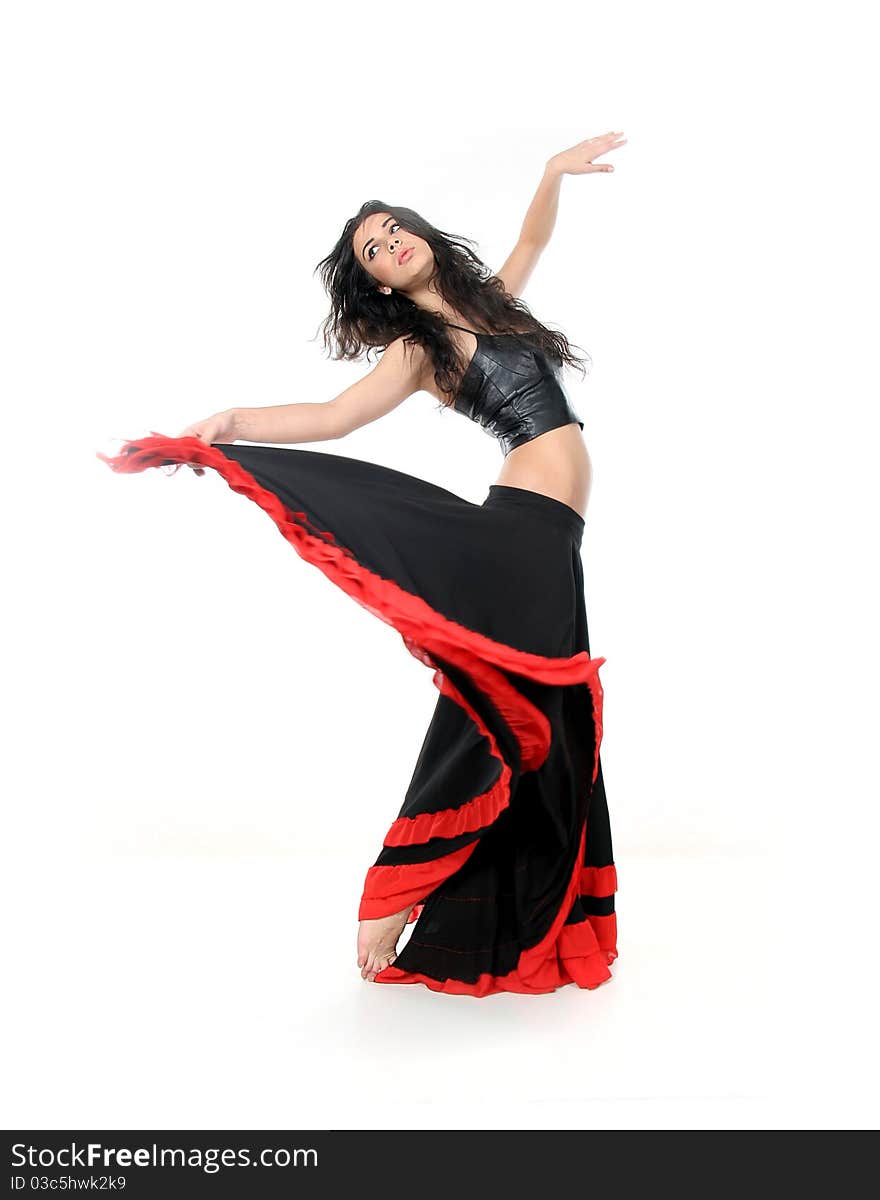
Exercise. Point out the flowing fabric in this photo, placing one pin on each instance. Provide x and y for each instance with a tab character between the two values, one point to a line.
502	843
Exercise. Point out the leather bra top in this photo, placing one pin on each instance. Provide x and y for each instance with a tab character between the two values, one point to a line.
512	390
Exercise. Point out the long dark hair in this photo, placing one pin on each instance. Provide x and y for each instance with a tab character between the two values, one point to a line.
361	317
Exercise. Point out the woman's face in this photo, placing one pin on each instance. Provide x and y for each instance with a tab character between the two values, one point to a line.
394	257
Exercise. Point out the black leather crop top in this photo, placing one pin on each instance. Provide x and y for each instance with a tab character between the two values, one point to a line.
512	390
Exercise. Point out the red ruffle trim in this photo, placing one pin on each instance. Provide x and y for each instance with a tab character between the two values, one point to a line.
396	887
476	813
598	881
418	624
402	885
426	633
579	954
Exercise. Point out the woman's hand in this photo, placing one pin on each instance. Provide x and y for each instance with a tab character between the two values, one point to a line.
579	159
219	428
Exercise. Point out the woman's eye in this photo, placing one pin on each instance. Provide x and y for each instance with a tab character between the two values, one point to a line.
394	225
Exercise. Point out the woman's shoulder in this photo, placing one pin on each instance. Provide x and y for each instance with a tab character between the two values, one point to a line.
407	359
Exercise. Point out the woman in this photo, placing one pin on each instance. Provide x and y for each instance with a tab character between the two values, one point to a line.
502	848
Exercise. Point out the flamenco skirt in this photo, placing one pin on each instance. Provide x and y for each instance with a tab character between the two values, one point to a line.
502	843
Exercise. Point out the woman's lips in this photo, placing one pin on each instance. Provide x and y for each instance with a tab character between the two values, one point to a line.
405	255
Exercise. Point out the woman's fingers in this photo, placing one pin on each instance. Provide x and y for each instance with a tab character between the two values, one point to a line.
600	144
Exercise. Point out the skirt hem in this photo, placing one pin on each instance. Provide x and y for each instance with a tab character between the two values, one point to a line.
578	953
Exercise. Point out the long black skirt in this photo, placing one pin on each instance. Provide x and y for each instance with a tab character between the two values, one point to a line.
502	844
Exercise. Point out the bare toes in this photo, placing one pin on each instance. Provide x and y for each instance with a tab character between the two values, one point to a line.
380	965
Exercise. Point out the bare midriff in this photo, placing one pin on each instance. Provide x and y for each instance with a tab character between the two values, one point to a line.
556	463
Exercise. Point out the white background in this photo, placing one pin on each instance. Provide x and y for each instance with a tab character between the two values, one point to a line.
207	741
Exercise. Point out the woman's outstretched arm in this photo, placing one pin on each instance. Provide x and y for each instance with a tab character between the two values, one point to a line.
395	376
540	220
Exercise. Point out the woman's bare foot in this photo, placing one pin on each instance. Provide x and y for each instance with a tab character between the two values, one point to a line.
377	942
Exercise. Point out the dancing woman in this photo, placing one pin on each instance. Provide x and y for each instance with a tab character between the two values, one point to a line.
501	852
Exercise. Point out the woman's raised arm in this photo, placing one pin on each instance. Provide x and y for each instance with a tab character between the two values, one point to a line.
540	219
